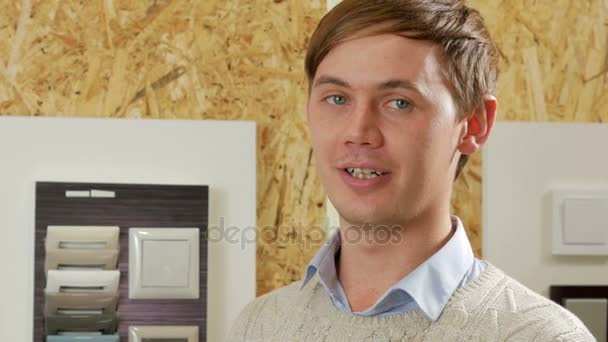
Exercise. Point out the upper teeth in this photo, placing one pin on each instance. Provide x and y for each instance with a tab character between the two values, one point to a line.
363	173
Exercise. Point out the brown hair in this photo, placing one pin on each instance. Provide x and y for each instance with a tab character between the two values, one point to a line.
470	56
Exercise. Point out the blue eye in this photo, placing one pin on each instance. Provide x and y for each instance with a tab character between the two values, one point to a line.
336	99
399	104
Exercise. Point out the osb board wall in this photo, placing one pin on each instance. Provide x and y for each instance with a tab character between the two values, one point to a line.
242	60
182	59
553	67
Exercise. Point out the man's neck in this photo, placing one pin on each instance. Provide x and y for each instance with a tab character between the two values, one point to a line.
367	267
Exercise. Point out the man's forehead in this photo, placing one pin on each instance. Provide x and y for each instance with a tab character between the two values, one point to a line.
386	60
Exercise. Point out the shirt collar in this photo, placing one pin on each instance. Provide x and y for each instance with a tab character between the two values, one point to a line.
430	285
324	263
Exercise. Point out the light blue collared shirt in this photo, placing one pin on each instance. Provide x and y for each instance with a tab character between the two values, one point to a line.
428	287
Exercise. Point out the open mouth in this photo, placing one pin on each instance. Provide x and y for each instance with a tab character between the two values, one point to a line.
360	173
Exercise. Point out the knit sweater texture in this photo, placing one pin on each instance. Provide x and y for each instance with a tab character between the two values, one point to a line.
491	307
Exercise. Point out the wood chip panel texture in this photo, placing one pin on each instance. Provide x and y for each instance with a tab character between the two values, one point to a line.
553	68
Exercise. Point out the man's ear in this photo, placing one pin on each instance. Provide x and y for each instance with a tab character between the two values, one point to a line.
478	126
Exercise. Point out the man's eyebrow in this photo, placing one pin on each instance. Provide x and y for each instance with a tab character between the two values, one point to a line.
331	80
390	84
394	84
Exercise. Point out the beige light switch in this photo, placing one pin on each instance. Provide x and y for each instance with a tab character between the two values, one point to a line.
69	281
82	237
63	259
593	312
163	333
57	304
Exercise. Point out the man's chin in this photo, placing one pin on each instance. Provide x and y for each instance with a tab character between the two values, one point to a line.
361	219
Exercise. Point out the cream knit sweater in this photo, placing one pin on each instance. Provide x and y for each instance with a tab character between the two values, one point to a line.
491	307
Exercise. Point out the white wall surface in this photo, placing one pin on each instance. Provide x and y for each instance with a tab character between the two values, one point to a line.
220	154
522	163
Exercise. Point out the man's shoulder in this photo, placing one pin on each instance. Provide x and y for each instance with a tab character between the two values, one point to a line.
519	308
264	309
273	302
283	295
519	298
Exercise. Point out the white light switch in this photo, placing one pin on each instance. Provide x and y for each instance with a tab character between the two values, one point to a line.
580	222
585	221
166	263
163	263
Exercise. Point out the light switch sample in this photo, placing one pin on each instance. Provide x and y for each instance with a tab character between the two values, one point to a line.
65	259
58	325
82	338
57	304
163	333
161	268
163	263
82	237
82	281
585	221
580	222
593	312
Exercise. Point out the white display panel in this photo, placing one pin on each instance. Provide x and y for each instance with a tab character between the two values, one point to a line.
523	164
220	154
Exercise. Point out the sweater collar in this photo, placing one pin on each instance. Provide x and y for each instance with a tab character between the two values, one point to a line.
428	287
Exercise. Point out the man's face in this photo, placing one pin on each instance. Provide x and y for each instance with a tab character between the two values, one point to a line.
380	103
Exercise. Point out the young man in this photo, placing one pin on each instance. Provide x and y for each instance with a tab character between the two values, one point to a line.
401	91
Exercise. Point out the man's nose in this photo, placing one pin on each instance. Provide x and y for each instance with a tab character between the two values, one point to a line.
363	126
